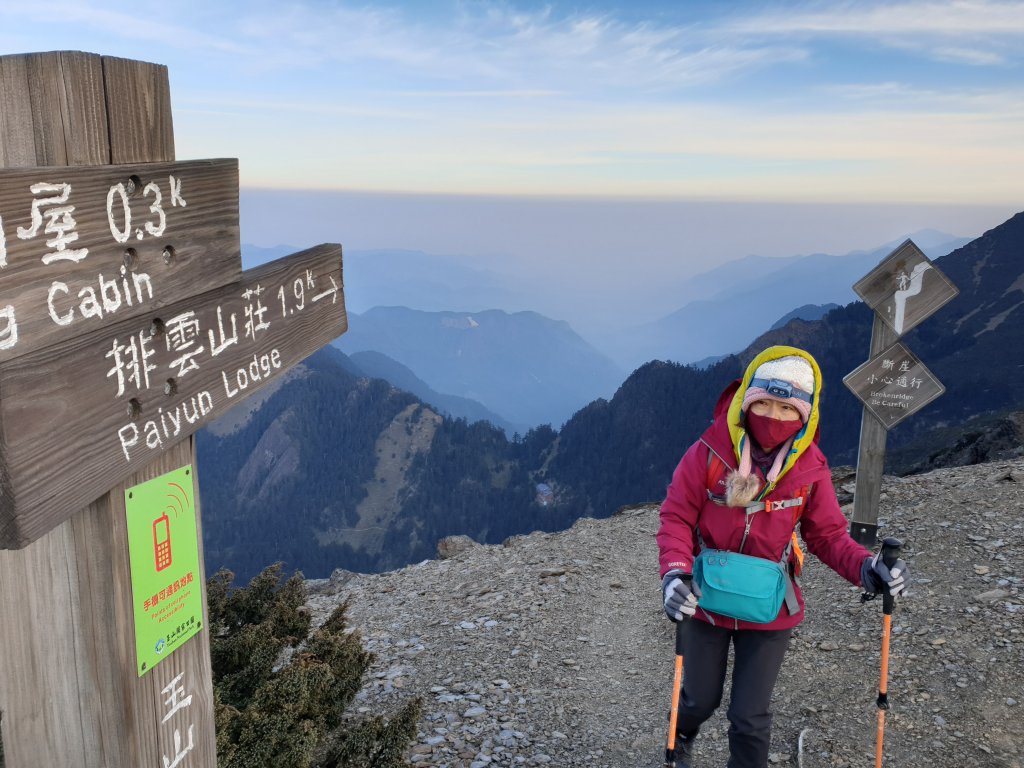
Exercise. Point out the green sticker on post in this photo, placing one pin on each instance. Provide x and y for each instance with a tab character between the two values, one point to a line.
163	549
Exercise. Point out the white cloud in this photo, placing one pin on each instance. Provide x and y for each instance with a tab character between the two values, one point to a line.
491	98
971	56
152	24
975	32
880	19
494	45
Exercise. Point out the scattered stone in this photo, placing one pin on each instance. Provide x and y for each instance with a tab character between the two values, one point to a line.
340	577
527	656
992	595
450	546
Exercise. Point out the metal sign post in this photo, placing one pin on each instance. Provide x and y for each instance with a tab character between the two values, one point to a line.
904	289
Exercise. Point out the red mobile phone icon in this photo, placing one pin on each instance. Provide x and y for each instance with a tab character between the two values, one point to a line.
162	541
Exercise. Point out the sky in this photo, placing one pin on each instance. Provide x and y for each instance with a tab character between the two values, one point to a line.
591	144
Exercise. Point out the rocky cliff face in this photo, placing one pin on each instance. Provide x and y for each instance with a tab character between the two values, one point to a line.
553	649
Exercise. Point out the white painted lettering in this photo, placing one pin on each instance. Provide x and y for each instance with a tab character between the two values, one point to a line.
190	418
59	223
3	245
125	287
153	439
155	229
120	235
216	347
110	293
227	386
177	701
167	426
59	319
90	305
175	418
176	198
257	369
9	334
105	298
129	436
142	279
180	750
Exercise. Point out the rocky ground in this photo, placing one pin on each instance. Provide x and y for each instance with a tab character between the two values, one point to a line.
553	649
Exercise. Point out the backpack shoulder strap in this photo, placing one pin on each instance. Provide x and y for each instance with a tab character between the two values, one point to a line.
715	473
798	511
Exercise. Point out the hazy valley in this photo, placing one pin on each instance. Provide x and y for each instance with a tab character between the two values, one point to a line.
338	468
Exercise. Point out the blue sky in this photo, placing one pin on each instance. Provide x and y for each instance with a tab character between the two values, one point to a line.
784	101
856	122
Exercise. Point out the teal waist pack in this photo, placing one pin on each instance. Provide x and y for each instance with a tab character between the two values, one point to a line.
740	586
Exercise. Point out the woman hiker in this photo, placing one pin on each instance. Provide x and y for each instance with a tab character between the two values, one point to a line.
742	487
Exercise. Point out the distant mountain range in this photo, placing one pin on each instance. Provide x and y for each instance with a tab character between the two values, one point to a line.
379	366
335	468
744	297
806	312
519	369
526	367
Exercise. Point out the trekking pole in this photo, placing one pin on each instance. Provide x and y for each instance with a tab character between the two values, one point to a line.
890	554
677	683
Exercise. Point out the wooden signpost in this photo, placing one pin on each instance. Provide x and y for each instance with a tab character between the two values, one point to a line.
107	403
126	324
904	289
82	247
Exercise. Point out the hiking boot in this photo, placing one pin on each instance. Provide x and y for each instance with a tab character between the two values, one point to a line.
683	753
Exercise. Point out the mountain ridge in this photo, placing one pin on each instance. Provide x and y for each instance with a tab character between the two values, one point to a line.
474	480
528	368
730	319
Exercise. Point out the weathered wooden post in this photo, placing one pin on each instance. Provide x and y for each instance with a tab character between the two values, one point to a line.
126	324
903	290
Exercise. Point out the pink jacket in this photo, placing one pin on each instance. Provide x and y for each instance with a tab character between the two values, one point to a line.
687	505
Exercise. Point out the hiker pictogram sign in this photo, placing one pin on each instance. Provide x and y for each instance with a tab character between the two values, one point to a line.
905	288
893	385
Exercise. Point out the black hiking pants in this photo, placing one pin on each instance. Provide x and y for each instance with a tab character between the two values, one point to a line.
758	657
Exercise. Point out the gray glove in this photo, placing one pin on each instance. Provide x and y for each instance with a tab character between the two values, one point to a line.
875	576
680	595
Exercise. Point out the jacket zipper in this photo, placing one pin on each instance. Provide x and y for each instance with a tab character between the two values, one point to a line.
746	529
743	541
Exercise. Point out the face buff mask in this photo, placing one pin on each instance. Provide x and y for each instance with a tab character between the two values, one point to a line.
771	433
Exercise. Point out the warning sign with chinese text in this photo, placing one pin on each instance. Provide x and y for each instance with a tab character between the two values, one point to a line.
893	385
